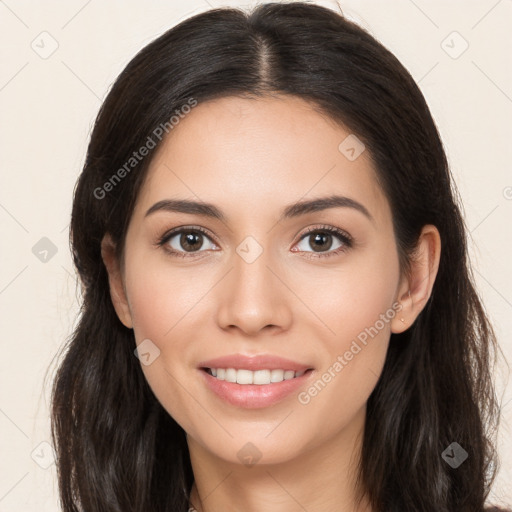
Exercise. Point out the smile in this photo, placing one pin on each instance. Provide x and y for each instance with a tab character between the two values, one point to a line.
254	389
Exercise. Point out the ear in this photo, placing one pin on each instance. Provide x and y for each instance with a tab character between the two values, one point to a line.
415	288
117	290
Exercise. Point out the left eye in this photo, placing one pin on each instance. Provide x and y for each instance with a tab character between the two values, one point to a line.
322	240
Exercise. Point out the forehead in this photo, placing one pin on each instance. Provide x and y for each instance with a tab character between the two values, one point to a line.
260	154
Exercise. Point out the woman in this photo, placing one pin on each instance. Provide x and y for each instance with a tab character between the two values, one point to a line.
278	310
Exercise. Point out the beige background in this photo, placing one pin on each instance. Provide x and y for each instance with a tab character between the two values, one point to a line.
48	104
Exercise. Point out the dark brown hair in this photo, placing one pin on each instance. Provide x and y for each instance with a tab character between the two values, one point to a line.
118	450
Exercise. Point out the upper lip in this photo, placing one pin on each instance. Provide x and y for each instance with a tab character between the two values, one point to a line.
261	362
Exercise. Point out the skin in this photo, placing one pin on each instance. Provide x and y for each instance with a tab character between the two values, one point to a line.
252	158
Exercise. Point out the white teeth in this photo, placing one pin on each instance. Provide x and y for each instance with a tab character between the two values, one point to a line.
261	377
254	377
244	377
230	375
276	375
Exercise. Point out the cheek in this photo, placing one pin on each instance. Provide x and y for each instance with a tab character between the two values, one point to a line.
356	308
162	299
350	299
160	314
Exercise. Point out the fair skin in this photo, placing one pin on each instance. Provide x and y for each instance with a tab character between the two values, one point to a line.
252	158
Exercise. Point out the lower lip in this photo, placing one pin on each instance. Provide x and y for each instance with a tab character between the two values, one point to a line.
254	396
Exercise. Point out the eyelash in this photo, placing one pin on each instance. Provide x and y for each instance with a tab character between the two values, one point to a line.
343	236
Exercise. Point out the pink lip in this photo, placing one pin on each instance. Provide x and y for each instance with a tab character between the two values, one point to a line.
253	396
263	362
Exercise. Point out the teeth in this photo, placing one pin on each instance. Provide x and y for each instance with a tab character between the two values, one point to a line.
230	375
257	377
244	376
276	375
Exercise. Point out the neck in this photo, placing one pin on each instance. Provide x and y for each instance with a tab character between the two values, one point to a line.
320	479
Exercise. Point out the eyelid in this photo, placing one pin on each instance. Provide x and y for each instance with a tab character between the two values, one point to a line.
327	228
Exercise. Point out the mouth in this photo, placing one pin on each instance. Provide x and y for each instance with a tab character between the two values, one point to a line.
255	389
256	377
254	381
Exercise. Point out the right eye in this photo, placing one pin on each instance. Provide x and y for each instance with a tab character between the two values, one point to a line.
185	242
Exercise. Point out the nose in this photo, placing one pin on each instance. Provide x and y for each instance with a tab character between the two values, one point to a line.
254	297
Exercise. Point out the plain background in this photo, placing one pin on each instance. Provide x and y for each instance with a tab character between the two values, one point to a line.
48	102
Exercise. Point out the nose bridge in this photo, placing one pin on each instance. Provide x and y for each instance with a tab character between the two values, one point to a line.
253	297
252	277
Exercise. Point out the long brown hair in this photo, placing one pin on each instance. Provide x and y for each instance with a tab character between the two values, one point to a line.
118	450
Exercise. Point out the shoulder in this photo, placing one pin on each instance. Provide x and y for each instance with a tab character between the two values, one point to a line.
497	509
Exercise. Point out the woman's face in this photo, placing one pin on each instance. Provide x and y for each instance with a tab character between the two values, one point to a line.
253	282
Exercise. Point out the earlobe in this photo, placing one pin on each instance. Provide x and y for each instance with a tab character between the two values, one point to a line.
117	291
401	322
416	289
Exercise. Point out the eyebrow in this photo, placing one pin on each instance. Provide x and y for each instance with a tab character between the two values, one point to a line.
291	211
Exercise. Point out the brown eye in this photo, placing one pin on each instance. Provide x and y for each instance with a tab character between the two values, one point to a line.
327	240
190	241
320	241
183	241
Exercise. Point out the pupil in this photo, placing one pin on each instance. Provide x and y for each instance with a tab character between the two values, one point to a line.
191	239
320	238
